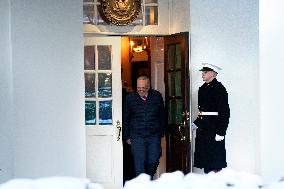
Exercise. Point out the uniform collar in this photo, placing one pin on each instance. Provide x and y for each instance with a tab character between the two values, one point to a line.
211	82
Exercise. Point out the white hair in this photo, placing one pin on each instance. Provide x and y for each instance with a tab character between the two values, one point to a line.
145	79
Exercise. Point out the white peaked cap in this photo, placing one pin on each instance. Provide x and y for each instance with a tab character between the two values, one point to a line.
210	67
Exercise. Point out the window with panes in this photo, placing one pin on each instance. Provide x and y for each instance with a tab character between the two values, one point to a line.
98	85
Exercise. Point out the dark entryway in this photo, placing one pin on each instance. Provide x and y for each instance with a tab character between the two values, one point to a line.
140	69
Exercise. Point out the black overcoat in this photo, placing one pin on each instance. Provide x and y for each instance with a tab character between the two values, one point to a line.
209	153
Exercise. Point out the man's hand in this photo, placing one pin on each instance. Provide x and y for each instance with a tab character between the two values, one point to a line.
219	138
128	141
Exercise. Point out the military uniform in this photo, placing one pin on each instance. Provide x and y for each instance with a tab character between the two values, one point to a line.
213	119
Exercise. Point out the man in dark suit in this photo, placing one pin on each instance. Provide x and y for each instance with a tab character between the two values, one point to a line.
212	122
143	126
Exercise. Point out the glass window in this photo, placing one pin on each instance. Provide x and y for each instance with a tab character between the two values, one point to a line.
171	83
89	57
174	70
151	1
104	57
105	113
171	56
89	13
151	15
175	111
90	113
178	83
105	85
98	85
138	20
90	89
177	56
99	19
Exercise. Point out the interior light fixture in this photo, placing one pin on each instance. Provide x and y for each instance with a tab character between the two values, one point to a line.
138	48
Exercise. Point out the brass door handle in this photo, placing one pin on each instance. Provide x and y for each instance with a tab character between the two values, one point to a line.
118	126
186	115
182	136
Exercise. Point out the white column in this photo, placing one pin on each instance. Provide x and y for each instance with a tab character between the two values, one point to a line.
271	88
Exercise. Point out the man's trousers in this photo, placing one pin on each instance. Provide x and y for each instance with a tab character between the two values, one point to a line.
146	153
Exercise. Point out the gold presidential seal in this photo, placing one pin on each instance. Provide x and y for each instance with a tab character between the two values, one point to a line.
120	12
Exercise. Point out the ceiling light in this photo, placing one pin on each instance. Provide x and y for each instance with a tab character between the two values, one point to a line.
138	48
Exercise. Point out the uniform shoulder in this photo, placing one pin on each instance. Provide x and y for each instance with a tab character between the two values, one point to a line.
203	85
221	86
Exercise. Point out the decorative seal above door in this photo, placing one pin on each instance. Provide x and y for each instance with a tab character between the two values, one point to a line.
120	12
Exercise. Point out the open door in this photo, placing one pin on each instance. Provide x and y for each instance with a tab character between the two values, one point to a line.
103	114
177	90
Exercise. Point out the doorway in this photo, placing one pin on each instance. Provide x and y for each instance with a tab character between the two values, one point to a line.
112	59
142	56
164	59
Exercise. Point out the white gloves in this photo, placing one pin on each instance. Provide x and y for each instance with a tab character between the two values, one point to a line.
193	127
219	138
